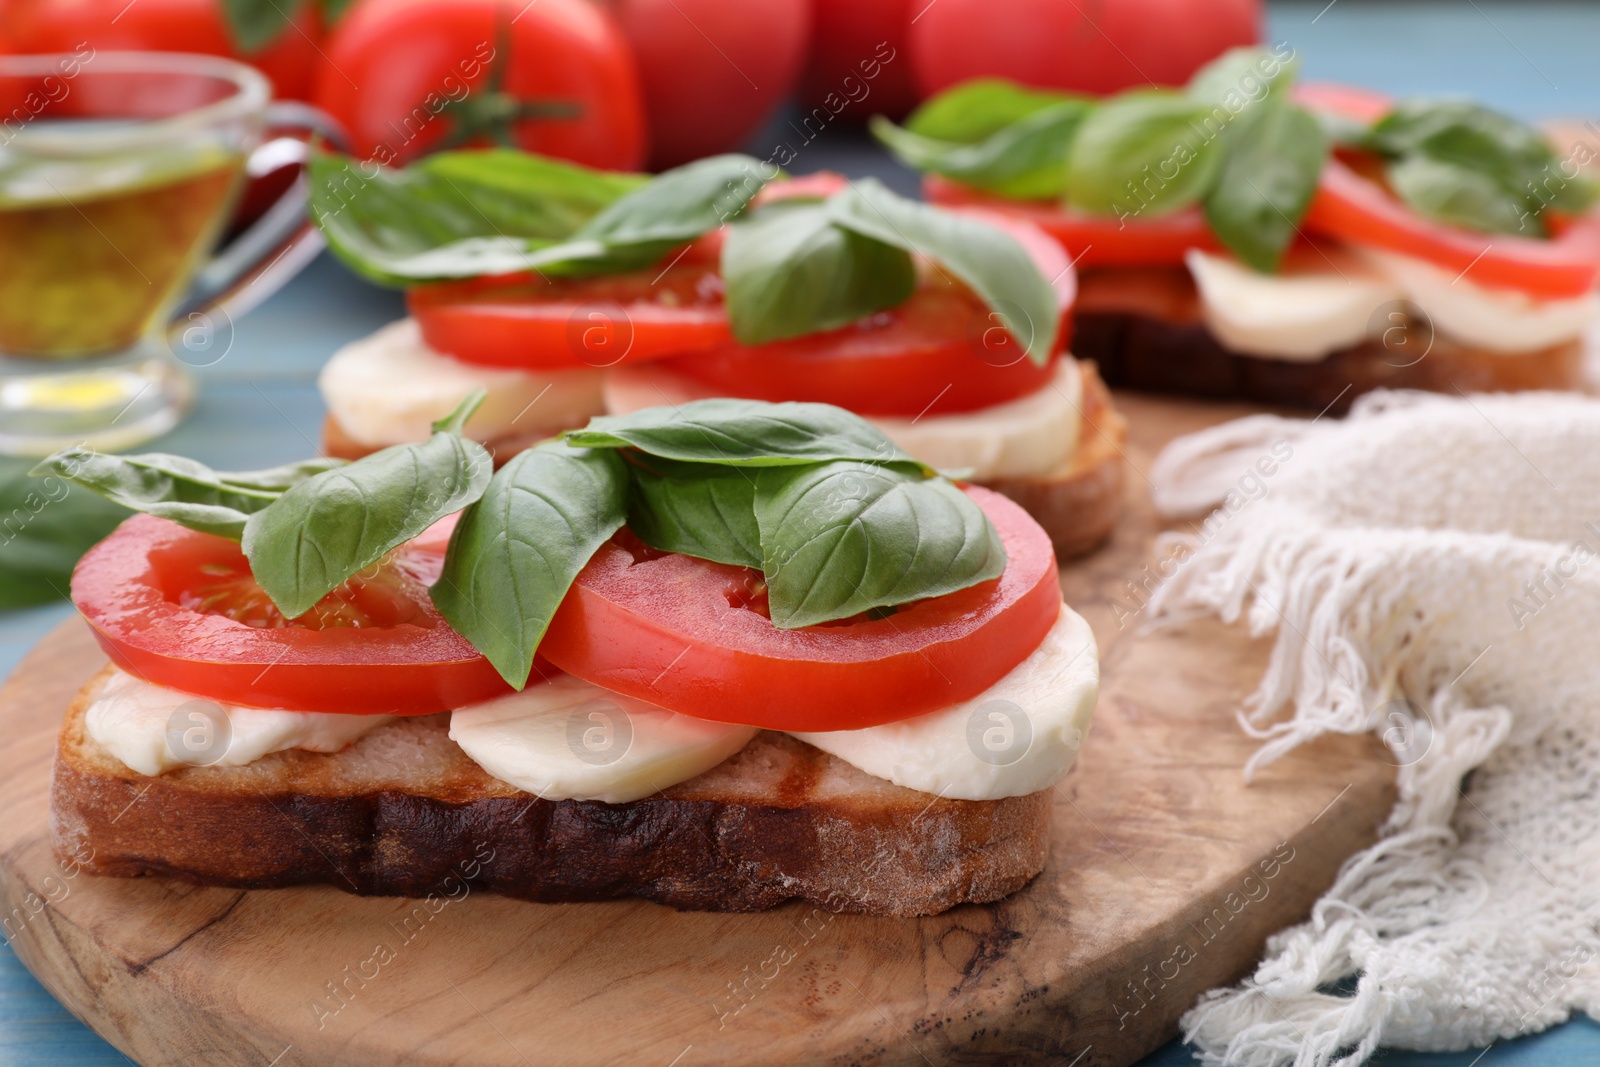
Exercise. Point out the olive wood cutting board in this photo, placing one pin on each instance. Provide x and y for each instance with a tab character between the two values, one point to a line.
1167	873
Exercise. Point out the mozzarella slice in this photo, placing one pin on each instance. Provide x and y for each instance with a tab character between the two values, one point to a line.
1032	436
1017	737
1300	315
1501	320
152	729
390	387
567	739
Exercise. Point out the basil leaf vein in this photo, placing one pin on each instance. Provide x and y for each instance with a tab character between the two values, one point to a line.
517	550
790	272
842	538
990	261
749	433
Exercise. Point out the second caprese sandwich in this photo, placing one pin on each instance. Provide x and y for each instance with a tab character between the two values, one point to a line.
1246	237
719	656
947	329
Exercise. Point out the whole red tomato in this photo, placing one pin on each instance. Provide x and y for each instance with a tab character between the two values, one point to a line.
550	76
712	70
1086	46
859	55
34	26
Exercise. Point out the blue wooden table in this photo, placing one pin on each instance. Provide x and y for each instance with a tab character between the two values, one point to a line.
259	404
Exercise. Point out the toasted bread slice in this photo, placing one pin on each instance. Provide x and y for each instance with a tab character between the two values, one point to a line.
1144	329
403	810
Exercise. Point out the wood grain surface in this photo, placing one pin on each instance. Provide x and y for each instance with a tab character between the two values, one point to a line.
1166	875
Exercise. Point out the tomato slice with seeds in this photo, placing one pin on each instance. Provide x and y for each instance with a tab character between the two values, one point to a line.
693	636
1090	240
942	351
551	324
179	608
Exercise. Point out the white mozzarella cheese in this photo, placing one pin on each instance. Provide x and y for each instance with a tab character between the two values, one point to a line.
1017	737
1501	320
1300	315
152	729
567	739
390	387
1032	436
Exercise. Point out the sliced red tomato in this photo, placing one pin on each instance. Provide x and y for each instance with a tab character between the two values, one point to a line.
576	322
694	637
1090	240
180	609
941	351
1349	101
1361	211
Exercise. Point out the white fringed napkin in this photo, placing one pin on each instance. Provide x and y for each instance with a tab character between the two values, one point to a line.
1431	568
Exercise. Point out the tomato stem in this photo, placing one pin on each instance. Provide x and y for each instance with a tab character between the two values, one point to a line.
493	113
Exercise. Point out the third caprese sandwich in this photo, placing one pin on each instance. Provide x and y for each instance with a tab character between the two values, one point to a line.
719	656
1297	245
947	329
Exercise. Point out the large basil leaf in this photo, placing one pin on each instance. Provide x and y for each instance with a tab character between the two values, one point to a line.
454	214
1461	196
978	109
842	538
1475	167
1241	77
990	261
641	227
334	524
747	433
46	524
1025	160
790	271
180	489
1143	153
704	510
516	551
1275	152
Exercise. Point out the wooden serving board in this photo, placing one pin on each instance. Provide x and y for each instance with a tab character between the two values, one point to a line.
1166	875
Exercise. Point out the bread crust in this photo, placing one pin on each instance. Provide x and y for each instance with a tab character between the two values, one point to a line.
1078	507
779	820
1143	327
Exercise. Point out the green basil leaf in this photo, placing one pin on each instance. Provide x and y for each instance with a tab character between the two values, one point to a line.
1461	132
790	271
454	214
842	538
1460	196
516	551
179	489
978	109
333	10
1143	153
255	24
641	227
46	524
704	510
747	433
1275	152
1025	160
1244	76
332	525
990	261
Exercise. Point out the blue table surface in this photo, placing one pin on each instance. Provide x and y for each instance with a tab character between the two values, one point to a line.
259	404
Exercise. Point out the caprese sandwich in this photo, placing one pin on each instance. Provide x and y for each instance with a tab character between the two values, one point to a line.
718	655
1246	237
947	329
